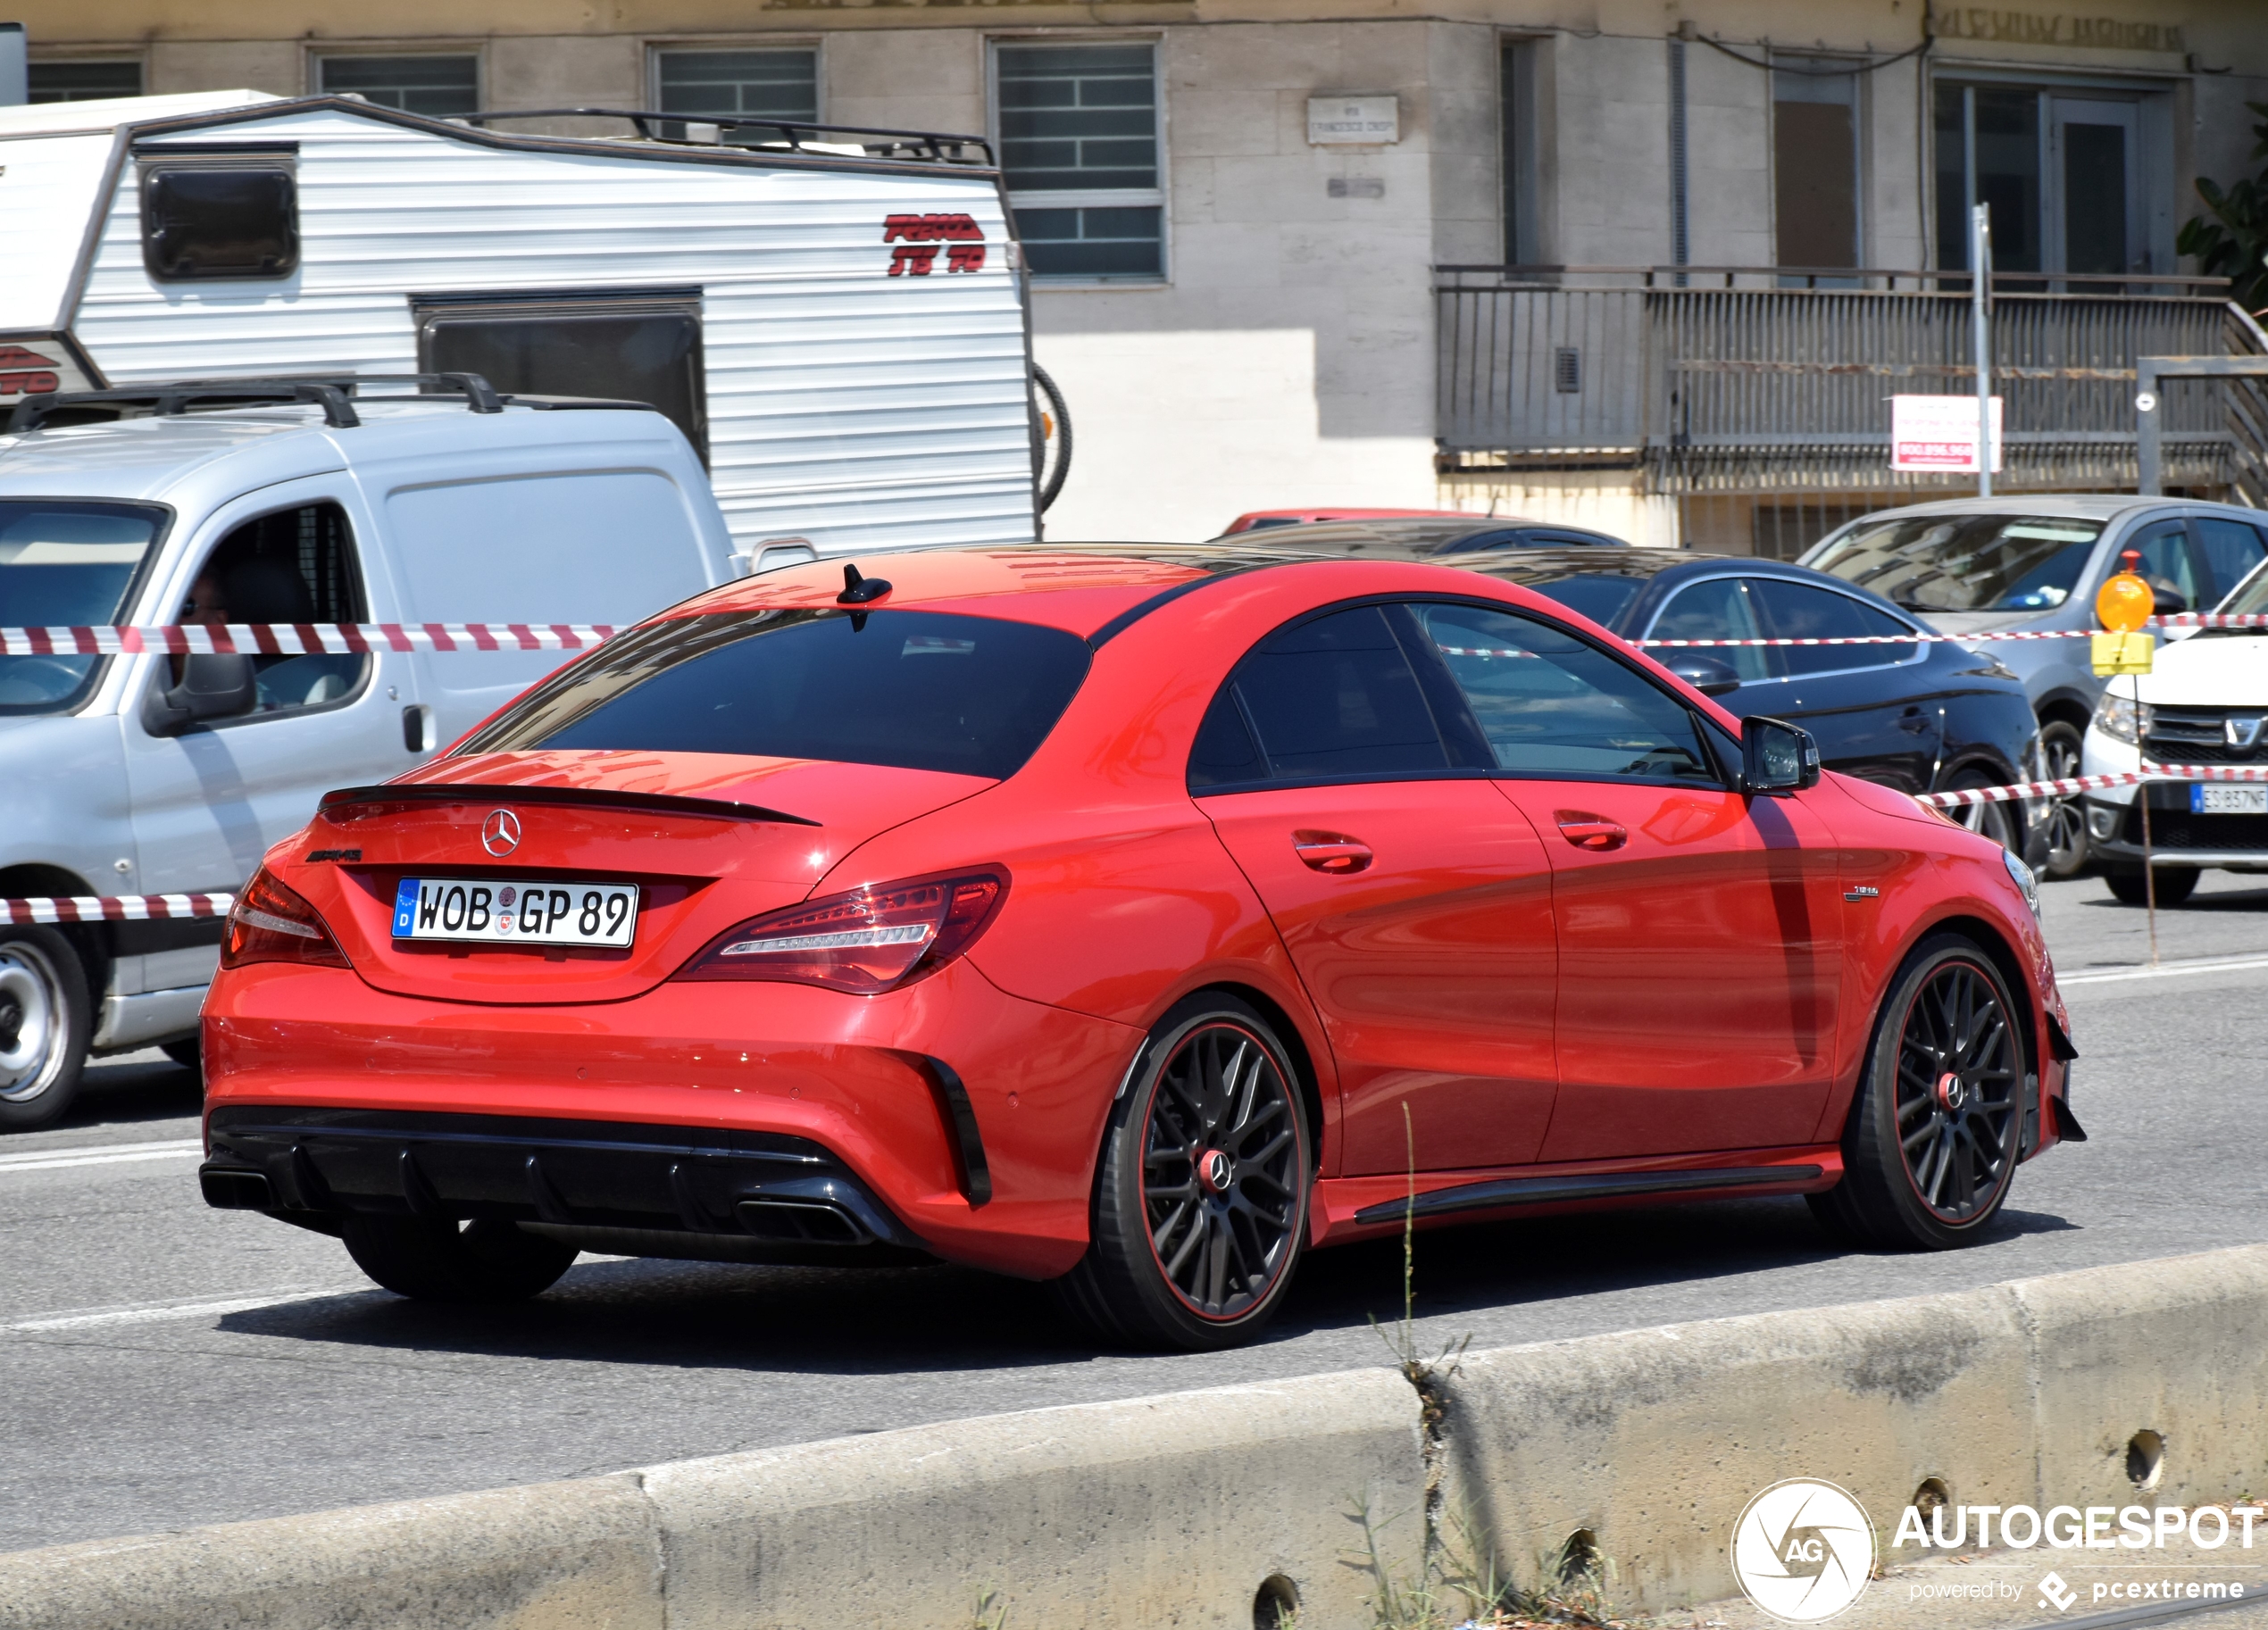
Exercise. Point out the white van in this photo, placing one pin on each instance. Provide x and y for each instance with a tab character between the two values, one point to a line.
153	775
838	328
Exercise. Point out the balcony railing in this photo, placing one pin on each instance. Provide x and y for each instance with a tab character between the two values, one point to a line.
1768	379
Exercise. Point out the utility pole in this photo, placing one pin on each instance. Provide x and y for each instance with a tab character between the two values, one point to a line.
1980	312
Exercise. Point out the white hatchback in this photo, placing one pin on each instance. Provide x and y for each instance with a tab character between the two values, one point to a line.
2205	702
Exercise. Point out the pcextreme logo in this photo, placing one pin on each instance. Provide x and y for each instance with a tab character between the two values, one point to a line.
1803	1550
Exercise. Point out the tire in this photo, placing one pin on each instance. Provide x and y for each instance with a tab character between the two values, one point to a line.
2003	823
45	1017
2175	884
1931	1144
1202	1256
188	1055
486	1261
2065	819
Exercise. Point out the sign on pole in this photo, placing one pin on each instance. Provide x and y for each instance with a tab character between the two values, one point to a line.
1939	433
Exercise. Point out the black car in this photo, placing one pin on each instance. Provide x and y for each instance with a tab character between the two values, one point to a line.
1923	718
1416	537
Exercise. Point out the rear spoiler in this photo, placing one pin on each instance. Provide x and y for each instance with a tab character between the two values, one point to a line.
337	803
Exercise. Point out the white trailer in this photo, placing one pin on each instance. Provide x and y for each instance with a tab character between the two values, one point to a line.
839	328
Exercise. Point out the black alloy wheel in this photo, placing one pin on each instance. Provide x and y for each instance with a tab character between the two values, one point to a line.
1201	1199
2065	818
1931	1144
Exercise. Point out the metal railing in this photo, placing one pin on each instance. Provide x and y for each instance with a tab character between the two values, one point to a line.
1748	384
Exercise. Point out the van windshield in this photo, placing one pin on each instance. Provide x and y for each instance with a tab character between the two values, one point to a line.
918	690
65	565
1965	562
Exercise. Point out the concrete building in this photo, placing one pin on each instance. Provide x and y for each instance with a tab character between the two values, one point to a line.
1242	215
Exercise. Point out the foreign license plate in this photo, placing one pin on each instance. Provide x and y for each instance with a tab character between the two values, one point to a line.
2228	800
516	911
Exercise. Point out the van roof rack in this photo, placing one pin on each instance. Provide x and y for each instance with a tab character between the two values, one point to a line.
920	146
335	394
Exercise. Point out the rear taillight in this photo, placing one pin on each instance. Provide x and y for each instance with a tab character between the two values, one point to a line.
270	923
868	940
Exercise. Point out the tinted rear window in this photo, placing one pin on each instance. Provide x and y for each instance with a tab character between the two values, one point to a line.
1598	597
917	690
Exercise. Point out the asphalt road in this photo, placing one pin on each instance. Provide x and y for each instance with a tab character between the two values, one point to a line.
169	1364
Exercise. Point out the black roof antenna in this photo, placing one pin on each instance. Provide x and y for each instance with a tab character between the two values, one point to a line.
858	588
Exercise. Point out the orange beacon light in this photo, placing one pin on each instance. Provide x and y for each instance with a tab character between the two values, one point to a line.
2125	602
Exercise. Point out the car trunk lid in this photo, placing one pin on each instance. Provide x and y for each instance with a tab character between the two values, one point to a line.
708	840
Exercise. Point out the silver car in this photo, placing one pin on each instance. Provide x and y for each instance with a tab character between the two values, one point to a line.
2033	563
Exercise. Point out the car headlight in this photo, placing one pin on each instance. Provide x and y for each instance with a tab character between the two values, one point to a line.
2122	718
2024	881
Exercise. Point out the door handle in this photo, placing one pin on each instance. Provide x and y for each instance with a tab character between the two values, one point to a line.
1913	721
1586	830
1334	852
417	725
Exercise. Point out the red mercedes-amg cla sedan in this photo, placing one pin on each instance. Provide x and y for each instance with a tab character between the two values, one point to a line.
1134	919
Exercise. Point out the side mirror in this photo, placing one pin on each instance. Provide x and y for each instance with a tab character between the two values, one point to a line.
1705	674
2165	599
211	688
1777	757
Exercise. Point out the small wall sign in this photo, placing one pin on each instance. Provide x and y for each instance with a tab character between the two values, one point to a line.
1353	120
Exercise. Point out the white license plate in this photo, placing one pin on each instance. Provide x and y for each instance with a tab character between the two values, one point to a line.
2228	800
516	911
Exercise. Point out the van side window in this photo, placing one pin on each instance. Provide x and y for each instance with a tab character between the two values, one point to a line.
208	217
295	566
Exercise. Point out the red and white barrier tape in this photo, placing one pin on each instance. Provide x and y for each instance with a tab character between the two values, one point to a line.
2185	619
146	908
303	638
113	908
2087	784
337	638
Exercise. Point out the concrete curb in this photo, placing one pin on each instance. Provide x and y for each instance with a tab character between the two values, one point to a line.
1172	1511
549	1556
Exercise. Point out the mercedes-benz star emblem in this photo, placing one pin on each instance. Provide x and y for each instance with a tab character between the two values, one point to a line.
1212	1171
500	833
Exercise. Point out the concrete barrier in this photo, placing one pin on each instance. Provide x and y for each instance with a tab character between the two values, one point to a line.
1650	1442
1152	1512
1175	1510
551	1556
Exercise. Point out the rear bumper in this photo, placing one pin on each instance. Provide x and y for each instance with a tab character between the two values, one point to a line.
964	1121
746	1196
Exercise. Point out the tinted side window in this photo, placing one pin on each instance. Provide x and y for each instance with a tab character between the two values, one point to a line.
2165	559
1798	610
1721	608
2231	549
1551	705
1331	696
295	566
